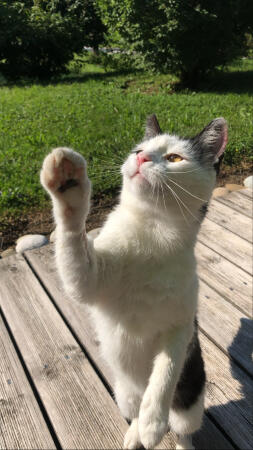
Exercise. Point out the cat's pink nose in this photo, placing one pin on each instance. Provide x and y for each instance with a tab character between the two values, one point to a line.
141	158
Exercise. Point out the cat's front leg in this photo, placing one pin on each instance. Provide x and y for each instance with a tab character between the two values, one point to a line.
64	177
132	436
157	399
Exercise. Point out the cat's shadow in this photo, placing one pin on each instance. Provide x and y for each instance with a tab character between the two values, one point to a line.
228	415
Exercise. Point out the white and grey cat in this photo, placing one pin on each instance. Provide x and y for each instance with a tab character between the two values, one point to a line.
139	275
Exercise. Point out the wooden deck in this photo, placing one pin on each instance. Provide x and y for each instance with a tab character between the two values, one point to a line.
55	391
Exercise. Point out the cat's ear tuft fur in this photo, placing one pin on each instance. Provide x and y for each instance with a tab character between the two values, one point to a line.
152	127
211	142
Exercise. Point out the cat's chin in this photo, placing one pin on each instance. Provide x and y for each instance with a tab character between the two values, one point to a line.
139	183
138	177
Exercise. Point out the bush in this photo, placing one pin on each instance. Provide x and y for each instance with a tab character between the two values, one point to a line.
185	37
38	38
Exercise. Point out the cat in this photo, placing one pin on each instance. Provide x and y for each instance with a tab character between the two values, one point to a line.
139	274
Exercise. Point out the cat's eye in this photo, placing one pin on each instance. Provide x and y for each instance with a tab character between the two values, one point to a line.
173	157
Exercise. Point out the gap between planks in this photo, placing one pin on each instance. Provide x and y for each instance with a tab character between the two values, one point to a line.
228	280
22	423
227	244
248	192
230	219
237	201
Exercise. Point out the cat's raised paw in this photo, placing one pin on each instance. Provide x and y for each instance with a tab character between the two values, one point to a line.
63	169
64	177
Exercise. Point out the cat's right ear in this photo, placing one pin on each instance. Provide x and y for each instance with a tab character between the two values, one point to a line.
152	127
212	140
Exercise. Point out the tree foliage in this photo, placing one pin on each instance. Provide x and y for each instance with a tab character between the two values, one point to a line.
39	37
186	37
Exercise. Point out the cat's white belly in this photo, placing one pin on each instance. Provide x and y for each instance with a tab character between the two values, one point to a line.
127	355
129	333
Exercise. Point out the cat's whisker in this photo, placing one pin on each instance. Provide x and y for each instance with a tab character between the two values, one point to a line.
186	207
187	192
165	207
157	196
107	160
116	167
153	190
185	171
105	171
104	175
177	201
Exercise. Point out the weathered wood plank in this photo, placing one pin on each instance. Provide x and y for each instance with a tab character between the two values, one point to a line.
226	326
248	192
209	437
237	201
42	261
21	422
81	410
231	220
229	395
227	244
77	314
230	281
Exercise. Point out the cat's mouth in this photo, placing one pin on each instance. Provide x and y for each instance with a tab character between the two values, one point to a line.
138	174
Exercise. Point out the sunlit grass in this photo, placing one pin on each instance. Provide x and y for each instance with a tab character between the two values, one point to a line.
102	115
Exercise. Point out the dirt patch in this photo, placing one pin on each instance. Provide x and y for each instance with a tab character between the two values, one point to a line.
41	221
234	174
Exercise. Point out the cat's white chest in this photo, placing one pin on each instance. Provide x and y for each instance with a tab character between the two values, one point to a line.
150	297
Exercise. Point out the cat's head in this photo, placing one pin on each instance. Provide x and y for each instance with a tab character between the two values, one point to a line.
166	169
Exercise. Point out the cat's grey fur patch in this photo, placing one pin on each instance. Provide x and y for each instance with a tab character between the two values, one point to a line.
207	143
217	164
203	210
192	378
152	127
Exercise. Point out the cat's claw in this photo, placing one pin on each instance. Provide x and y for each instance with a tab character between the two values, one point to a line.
132	438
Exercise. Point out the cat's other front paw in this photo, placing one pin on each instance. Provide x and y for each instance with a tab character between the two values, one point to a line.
132	438
153	423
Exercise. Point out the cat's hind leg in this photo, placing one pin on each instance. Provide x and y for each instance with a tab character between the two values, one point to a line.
184	422
187	410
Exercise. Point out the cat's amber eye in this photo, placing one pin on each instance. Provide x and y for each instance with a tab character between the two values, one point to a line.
173	157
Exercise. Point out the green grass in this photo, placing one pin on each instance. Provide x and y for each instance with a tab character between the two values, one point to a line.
101	114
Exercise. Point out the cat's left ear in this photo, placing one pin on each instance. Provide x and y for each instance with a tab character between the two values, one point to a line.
152	127
211	142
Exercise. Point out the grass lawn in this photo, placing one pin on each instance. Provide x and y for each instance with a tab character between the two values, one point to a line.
101	114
